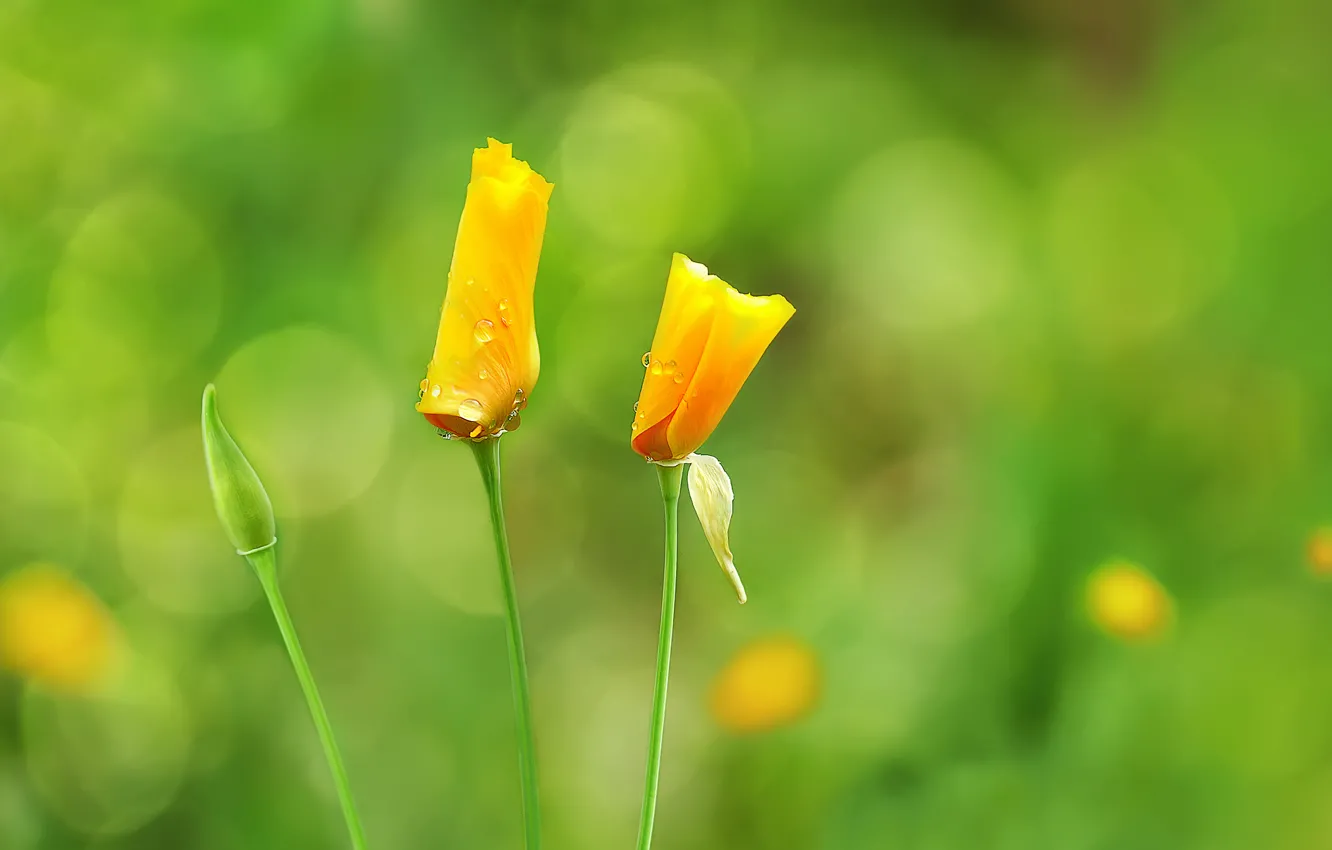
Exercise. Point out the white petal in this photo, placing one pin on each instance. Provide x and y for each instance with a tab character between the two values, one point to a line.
710	490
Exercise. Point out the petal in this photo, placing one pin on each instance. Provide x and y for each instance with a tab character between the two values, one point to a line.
744	327
687	314
710	490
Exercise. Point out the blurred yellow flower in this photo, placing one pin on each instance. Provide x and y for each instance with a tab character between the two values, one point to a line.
486	360
53	630
1320	551
709	338
1127	602
770	683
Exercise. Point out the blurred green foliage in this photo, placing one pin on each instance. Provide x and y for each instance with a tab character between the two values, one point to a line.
1064	288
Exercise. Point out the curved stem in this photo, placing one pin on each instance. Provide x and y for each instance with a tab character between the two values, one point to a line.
265	566
670	496
488	461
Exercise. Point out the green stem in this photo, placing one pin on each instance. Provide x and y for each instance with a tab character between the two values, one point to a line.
670	496
488	461
265	566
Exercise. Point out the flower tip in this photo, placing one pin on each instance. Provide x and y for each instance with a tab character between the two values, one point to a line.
516	176
698	270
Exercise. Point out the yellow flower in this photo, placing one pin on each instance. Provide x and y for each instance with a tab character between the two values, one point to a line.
486	360
53	630
1320	552
1128	603
709	338
770	683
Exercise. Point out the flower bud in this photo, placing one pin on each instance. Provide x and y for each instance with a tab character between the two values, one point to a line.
241	501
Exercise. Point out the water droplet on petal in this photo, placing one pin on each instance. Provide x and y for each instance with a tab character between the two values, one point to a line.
647	358
436	390
670	365
633	427
484	331
470	281
482	374
679	377
635	407
505	318
656	367
471	410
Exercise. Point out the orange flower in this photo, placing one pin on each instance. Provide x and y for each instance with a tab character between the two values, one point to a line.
709	338
486	360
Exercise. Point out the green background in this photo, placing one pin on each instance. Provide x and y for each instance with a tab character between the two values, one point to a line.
1064	286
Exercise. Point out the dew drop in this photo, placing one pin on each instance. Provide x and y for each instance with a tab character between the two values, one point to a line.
505	318
482	374
656	367
470	281
635	407
670	366
471	410
436	390
647	358
633	427
679	377
484	331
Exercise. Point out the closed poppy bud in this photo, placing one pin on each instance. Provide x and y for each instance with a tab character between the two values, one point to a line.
486	359
240	498
709	338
